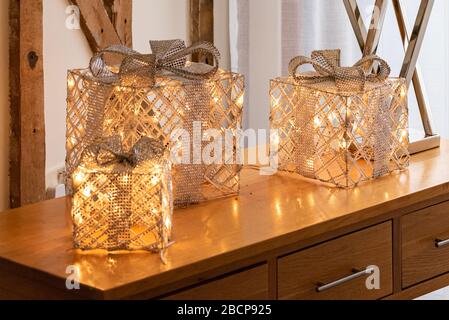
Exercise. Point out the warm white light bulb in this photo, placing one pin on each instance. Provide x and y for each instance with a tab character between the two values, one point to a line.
404	135
154	180
79	177
87	191
71	83
125	178
403	92
78	219
73	141
241	100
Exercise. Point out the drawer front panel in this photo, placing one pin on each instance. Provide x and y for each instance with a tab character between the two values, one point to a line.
336	268
422	259
247	285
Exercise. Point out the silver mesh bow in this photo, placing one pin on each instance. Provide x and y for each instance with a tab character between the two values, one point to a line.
110	151
327	66
138	69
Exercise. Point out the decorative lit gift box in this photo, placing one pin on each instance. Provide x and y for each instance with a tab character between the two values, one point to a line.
122	198
339	125
163	96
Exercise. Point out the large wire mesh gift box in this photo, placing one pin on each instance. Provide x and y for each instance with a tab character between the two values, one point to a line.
163	96
339	125
123	198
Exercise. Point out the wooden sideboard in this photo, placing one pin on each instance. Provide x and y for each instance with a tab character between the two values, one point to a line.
282	238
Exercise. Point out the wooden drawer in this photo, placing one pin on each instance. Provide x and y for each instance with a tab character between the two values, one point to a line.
300	274
247	285
421	258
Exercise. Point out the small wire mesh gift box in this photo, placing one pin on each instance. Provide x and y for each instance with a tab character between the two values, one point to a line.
163	96
123	198
339	125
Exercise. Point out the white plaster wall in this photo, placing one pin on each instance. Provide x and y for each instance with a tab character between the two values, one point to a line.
63	49
158	20
265	53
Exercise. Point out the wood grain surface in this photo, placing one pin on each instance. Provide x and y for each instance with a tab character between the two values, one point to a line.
246	285
27	138
300	273
422	260
273	216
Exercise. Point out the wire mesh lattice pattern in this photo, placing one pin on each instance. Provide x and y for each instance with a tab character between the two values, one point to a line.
336	137
158	112
117	209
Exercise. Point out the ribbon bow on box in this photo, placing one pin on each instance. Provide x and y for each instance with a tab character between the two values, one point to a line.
327	66
109	151
140	70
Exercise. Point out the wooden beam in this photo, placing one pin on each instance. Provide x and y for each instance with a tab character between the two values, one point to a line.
108	5
202	26
27	147
27	139
122	13
96	24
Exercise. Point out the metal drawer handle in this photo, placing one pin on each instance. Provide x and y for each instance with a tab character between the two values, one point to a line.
357	274
441	243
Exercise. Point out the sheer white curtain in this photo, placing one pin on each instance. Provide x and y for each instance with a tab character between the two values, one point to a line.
266	34
314	25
